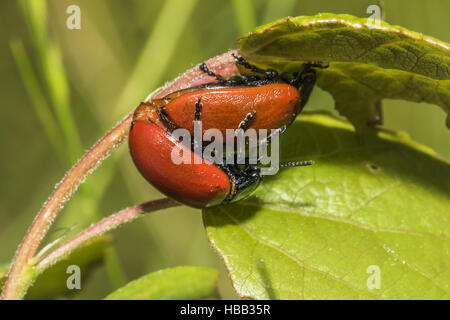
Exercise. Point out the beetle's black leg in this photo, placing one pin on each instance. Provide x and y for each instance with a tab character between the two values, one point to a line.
197	114
248	118
268	139
305	88
305	82
268	73
318	65
308	68
203	67
276	132
198	109
165	119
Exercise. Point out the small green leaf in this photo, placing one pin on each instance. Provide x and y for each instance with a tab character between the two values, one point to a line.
367	62
4	269
52	282
177	283
322	232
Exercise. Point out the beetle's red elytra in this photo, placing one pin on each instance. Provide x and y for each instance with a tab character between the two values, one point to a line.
275	105
267	101
194	185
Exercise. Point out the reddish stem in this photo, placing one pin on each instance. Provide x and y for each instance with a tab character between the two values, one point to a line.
107	224
51	208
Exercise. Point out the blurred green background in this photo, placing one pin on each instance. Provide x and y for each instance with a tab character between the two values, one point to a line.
62	89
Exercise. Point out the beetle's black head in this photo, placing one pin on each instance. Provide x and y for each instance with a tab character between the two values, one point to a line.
244	179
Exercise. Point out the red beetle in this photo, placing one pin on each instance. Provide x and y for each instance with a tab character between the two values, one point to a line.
264	101
268	102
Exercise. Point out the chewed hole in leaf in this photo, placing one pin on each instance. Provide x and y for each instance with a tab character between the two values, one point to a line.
373	168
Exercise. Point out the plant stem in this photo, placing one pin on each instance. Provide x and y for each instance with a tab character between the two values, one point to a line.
23	272
107	224
14	287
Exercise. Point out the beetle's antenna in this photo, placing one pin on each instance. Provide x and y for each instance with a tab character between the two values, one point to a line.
297	164
203	67
269	73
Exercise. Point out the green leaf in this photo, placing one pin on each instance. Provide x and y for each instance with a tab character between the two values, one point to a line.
178	283
4	269
367	63
315	232
52	282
